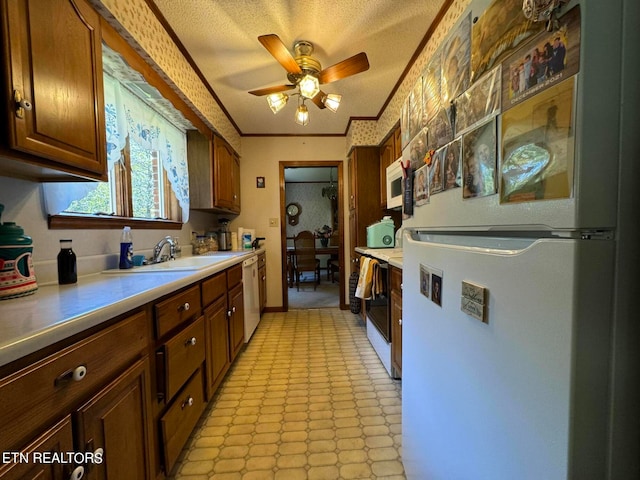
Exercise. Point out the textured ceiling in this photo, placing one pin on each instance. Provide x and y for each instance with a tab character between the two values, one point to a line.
221	36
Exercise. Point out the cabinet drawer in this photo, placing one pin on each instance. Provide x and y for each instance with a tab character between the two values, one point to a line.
180	419
234	276
182	355
262	260
177	309
37	394
213	287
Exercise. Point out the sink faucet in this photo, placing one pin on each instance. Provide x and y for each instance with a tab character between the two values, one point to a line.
157	250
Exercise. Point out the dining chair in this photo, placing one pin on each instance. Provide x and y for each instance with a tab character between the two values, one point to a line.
305	259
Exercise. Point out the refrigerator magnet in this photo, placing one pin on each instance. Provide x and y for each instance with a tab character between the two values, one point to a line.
436	288
425	280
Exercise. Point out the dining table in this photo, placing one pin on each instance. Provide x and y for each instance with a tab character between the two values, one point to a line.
332	250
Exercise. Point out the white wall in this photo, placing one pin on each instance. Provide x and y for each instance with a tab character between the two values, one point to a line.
261	157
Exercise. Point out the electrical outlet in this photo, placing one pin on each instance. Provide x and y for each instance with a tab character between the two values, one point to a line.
273	222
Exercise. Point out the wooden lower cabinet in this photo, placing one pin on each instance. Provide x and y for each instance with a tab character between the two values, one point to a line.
116	422
217	334
121	394
396	321
262	279
92	394
236	321
58	438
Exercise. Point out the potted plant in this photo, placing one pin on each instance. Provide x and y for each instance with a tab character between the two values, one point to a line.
324	234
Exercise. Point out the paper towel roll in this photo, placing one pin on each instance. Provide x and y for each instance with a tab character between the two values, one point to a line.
240	240
234	241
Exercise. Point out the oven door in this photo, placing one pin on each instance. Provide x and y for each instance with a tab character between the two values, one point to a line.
378	309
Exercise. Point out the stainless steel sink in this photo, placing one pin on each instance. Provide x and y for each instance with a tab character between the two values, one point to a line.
180	264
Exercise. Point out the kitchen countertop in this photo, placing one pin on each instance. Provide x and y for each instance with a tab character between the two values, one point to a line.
56	312
391	255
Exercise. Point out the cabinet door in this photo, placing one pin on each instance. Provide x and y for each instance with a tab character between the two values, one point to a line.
387	152
352	181
117	420
397	134
223	179
236	321
396	333
235	195
262	278
57	439
217	333
55	63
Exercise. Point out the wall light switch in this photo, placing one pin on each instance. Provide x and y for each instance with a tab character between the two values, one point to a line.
273	222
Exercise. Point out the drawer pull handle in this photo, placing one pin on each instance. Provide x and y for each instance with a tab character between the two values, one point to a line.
233	309
77	374
399	321
77	473
184	307
190	342
188	402
229	313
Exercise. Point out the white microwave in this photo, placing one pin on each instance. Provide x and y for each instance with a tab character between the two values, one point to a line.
394	184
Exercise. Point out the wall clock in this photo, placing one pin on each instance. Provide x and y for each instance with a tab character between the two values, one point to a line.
293	211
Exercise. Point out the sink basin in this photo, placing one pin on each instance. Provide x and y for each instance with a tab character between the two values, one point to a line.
180	264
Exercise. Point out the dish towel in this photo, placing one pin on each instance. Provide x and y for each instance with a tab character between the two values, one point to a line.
369	282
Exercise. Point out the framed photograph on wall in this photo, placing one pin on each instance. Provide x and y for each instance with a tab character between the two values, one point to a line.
259	182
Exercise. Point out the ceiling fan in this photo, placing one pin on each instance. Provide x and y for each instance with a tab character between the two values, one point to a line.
306	74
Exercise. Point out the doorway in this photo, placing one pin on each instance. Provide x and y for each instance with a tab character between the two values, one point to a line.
323	181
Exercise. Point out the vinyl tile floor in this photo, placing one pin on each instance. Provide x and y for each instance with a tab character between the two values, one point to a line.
308	398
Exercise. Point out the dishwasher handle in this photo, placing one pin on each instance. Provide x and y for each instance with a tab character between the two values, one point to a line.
250	261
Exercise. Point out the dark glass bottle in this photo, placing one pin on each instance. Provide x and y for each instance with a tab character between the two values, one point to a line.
67	270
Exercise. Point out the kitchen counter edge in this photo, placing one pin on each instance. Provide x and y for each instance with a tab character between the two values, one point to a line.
56	312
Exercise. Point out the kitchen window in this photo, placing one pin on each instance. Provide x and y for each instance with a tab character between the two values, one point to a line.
147	166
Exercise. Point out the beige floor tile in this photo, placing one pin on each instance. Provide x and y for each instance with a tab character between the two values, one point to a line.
306	399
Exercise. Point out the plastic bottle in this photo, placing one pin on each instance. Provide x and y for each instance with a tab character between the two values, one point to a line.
67	267
126	249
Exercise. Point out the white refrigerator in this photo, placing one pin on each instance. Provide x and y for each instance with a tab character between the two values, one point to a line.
522	363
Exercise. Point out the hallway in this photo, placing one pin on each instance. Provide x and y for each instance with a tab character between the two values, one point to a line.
307	399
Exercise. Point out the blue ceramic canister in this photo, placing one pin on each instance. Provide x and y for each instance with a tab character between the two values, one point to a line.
17	276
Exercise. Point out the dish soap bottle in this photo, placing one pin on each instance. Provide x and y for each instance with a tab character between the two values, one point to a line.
67	267
126	249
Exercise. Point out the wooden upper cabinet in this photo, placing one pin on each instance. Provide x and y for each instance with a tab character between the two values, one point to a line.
387	152
397	135
52	59
390	151
214	174
227	180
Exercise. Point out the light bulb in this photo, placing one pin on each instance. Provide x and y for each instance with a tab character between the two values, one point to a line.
302	115
309	86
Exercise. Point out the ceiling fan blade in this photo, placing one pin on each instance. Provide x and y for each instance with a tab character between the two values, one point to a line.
352	65
270	90
318	99
276	48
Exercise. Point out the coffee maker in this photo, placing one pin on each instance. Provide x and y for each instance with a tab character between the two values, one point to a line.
224	235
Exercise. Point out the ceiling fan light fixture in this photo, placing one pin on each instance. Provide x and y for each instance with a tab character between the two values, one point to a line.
277	101
309	86
302	115
332	101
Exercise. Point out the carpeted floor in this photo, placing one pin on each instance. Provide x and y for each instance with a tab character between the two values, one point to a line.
308	398
325	295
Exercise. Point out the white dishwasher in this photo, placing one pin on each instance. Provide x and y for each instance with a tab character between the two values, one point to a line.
251	293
